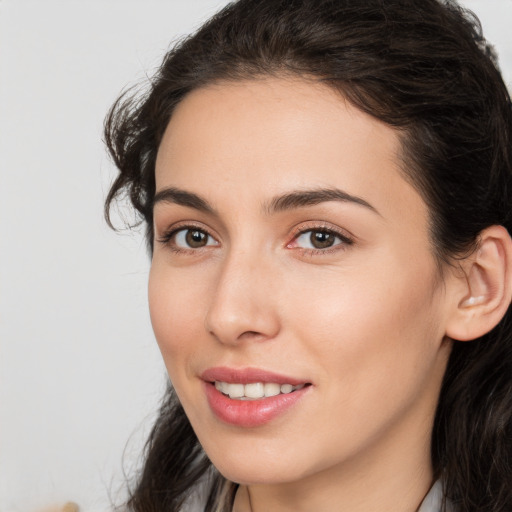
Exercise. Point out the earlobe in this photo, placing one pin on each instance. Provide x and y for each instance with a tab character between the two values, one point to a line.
482	301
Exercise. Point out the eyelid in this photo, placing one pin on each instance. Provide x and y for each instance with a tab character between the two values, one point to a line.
346	238
169	233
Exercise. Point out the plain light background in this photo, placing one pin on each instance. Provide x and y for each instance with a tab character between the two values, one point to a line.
80	374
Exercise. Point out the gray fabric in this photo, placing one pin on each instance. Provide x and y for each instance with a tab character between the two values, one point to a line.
431	503
434	499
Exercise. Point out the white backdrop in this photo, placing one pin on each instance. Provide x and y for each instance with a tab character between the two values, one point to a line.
80	374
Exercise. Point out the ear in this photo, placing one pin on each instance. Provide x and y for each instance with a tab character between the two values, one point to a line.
483	295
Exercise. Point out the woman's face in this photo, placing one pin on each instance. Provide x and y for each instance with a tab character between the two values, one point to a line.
291	254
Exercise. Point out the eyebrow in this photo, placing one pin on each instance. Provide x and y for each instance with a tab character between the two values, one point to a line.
304	198
289	201
183	198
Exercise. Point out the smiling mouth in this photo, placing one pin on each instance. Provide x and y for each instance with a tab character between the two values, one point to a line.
255	390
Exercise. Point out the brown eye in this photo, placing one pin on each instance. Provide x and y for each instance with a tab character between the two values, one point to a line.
196	238
322	239
192	238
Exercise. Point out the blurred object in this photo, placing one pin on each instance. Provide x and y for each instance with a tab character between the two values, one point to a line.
70	506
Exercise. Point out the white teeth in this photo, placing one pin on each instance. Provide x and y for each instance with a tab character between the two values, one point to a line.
235	390
254	390
272	389
286	388
222	387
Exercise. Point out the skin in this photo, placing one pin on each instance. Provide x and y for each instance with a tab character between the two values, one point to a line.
363	321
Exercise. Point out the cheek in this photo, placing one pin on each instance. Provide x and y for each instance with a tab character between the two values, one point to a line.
175	322
376	349
371	327
363	302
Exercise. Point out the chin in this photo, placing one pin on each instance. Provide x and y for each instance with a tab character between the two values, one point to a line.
260	465
246	474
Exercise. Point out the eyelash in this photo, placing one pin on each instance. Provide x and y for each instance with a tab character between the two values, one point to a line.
344	240
168	238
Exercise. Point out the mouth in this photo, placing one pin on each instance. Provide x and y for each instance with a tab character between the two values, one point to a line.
251	397
255	390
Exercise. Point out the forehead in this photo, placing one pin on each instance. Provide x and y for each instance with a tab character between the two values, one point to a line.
258	138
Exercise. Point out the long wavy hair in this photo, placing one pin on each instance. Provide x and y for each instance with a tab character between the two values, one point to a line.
420	66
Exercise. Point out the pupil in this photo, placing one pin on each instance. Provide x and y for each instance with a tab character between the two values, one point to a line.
321	239
196	238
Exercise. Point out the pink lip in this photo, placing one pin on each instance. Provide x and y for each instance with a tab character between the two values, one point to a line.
247	375
249	413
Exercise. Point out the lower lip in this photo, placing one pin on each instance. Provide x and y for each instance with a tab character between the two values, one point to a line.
250	413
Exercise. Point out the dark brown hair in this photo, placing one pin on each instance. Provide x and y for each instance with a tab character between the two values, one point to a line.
421	66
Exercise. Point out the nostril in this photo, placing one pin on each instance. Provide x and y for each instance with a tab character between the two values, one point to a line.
251	333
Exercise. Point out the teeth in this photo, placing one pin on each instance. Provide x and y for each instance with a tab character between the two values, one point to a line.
222	387
235	390
272	389
286	388
254	390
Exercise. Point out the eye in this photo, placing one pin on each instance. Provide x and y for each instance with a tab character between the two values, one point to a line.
192	238
319	240
187	238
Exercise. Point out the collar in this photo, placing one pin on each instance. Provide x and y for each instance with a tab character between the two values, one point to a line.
434	499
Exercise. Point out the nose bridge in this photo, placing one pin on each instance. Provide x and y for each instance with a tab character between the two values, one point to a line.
240	307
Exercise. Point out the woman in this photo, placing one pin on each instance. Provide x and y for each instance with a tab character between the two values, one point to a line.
326	188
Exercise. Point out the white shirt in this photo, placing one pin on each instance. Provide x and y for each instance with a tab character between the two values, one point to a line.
434	499
431	503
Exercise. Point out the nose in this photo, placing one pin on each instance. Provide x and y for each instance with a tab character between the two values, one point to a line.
243	305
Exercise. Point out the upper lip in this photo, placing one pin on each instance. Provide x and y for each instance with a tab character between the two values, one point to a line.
247	376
